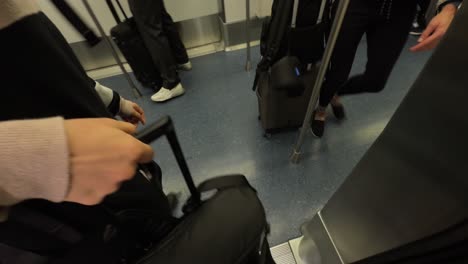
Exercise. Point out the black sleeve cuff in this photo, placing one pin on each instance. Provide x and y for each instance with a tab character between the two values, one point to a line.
114	106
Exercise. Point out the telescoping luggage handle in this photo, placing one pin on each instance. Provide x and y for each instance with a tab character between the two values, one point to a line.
164	126
114	12
76	21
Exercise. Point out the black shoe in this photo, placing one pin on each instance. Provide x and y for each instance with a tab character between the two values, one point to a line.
338	111
317	126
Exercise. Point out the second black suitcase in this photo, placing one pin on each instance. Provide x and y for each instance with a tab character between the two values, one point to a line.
130	43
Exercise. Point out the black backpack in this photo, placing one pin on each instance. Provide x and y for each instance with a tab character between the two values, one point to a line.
135	224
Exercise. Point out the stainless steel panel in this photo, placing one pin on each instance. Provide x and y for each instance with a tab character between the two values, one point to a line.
95	57
318	244
305	250
381	210
195	33
200	31
234	33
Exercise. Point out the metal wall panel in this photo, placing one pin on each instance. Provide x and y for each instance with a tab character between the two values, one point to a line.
194	33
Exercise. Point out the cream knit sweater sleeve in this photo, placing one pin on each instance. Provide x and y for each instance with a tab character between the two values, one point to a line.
33	160
14	10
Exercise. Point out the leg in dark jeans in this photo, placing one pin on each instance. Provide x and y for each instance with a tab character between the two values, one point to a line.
149	16
385	41
178	48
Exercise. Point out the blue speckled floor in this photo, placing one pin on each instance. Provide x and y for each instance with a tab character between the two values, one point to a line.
217	125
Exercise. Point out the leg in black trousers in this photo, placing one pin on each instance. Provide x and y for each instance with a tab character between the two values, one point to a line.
421	16
385	41
157	30
353	28
386	29
178	48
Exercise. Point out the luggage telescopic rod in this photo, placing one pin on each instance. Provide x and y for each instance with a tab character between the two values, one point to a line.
335	30
248	64
112	48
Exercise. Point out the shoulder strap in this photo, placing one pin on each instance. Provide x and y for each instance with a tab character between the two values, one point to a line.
223	182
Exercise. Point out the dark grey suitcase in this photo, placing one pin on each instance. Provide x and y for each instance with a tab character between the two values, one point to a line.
280	109
284	88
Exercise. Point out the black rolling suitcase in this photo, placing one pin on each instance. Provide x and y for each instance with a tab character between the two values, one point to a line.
293	41
130	43
228	227
223	222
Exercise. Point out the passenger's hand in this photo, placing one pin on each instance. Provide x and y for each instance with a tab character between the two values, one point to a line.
131	112
103	154
436	29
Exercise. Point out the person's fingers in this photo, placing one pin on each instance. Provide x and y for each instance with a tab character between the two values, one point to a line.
143	119
146	153
120	125
141	113
428	31
123	126
426	44
138	108
417	47
136	113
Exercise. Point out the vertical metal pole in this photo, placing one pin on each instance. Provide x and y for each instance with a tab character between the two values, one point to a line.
112	48
248	64
335	30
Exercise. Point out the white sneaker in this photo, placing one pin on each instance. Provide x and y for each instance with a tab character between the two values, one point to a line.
165	94
185	67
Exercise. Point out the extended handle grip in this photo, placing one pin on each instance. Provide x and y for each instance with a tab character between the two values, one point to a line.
114	12
164	126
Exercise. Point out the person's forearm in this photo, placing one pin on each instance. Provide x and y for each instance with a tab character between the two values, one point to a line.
449	8
450	5
33	160
110	98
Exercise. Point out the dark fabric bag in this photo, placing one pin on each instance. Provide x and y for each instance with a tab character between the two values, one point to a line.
306	41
